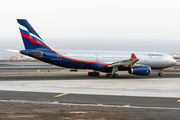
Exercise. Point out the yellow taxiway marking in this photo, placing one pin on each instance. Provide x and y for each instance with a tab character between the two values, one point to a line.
171	72
178	100
61	94
65	70
38	70
22	66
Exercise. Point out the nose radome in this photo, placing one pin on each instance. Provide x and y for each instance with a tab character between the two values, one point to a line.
174	61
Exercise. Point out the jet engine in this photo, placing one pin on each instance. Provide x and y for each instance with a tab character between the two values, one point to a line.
140	70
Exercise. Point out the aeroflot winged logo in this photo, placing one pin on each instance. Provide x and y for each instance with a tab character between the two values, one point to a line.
29	33
24	30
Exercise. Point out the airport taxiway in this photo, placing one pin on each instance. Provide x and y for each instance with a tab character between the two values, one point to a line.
123	101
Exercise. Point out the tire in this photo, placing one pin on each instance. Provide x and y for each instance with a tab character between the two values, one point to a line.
160	74
115	75
107	75
89	74
97	74
110	75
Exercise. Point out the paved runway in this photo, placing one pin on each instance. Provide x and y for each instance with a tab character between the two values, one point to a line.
24	82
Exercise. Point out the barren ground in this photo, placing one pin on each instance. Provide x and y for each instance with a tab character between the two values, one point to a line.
31	111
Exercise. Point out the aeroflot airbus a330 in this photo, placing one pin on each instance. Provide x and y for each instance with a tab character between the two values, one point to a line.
137	63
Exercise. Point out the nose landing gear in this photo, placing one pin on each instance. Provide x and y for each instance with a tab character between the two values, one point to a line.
160	72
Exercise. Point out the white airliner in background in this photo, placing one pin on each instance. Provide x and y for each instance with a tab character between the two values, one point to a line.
137	63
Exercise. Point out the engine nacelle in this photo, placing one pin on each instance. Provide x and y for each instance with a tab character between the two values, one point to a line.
140	70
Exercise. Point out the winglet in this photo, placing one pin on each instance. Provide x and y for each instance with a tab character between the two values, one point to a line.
133	56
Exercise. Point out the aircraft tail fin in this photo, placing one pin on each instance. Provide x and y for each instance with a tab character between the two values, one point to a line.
30	37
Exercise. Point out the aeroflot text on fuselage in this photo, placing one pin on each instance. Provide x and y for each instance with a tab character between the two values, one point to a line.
155	54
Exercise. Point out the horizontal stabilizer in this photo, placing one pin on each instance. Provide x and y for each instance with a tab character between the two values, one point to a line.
10	50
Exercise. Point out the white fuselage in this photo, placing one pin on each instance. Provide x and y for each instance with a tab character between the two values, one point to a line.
153	59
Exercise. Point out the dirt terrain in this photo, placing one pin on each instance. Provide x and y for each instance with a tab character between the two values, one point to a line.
33	111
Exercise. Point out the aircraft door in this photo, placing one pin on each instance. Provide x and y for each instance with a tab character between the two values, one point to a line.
59	57
145	58
97	57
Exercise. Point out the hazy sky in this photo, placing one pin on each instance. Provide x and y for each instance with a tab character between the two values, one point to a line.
97	20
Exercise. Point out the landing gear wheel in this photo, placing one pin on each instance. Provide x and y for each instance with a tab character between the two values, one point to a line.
107	75
115	75
89	73
97	74
160	74
110	75
93	73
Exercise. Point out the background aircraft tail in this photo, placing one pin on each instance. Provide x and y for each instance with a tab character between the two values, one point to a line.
30	37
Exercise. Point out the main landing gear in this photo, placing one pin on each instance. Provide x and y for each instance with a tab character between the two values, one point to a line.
113	74
109	75
93	73
160	72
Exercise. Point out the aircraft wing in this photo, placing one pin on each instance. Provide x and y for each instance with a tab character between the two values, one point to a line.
126	63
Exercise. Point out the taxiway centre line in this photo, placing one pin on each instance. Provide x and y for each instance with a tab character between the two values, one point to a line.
61	94
171	72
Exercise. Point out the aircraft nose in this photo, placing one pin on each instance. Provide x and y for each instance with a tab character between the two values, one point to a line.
174	61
